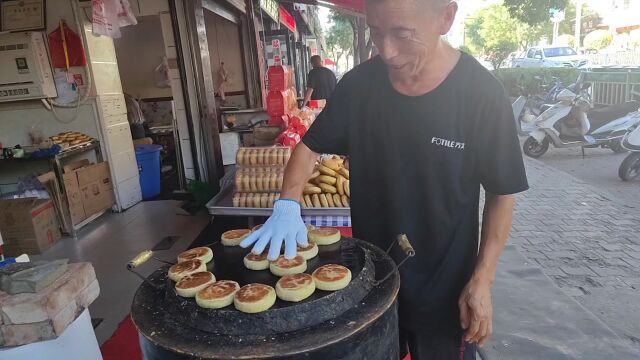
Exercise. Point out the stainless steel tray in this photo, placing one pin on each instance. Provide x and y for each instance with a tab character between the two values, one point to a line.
222	204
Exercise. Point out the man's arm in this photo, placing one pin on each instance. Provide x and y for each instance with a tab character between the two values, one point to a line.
298	171
307	96
476	312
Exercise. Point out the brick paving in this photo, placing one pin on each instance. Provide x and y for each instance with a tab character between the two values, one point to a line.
587	242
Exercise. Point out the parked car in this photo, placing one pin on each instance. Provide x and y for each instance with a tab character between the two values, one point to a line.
552	56
512	60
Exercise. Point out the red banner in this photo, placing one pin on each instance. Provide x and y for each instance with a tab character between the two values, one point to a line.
287	19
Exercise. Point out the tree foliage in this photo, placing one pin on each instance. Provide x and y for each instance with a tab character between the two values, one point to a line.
566	40
490	32
533	12
361	44
598	39
339	37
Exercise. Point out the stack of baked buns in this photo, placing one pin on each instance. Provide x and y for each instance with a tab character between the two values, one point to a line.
328	186
70	138
194	281
259	176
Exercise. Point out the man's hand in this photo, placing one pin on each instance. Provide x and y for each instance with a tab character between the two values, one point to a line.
285	224
476	311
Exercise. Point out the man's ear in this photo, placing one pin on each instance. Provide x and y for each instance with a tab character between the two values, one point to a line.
448	16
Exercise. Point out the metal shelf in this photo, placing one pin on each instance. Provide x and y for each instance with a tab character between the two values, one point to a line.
222	204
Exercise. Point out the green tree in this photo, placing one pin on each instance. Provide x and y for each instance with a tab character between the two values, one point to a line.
362	43
598	39
568	26
339	38
533	12
490	32
566	40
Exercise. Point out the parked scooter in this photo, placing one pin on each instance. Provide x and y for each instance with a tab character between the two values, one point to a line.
527	107
630	167
572	123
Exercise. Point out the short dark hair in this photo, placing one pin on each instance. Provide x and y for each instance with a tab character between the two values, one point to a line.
432	2
316	60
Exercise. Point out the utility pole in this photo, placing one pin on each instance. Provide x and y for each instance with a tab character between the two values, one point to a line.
579	4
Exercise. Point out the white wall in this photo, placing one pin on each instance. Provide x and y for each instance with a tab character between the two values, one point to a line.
17	118
139	52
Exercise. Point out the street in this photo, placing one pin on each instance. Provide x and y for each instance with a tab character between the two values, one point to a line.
598	168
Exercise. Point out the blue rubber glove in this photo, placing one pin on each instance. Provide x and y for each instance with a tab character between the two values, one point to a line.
285	224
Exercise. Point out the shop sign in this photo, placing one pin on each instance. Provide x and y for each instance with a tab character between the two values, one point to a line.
277	60
312	44
275	43
287	19
271	8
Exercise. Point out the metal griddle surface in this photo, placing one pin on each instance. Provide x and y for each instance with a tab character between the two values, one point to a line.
283	316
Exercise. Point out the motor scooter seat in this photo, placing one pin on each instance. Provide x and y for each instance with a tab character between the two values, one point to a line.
601	116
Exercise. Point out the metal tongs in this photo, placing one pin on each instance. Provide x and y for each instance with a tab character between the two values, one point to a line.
142	258
404	244
147	255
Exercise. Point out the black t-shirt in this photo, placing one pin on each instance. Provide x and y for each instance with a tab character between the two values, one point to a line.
417	164
322	81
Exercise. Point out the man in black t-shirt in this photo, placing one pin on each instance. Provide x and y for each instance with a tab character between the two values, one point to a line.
320	82
425	127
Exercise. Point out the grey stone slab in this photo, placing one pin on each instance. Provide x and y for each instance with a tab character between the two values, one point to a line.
534	320
579	270
113	240
609	271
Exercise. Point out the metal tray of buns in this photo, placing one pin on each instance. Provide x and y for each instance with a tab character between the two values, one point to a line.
222	204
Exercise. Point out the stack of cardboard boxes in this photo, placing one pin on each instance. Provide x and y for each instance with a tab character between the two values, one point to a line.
89	189
33	225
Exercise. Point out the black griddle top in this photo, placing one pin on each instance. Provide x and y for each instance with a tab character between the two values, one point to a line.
284	316
170	336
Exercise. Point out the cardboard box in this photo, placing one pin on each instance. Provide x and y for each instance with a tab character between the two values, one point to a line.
96	188
28	225
50	182
89	190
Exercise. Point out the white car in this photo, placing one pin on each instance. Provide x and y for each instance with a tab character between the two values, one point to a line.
552	56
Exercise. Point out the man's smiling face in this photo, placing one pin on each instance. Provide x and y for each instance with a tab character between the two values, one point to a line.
407	31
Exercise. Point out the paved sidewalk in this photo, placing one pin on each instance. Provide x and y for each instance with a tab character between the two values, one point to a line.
535	320
586	241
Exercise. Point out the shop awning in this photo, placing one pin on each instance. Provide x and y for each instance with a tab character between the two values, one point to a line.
328	61
349	5
353	7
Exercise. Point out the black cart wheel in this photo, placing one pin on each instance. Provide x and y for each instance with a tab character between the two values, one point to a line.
630	167
535	149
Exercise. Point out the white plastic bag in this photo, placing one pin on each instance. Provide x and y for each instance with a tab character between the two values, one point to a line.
110	15
162	74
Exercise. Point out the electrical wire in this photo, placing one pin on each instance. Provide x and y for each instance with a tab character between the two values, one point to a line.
81	98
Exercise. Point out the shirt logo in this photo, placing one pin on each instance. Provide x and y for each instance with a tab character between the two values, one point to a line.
447	143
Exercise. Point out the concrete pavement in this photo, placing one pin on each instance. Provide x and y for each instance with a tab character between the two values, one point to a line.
599	168
587	243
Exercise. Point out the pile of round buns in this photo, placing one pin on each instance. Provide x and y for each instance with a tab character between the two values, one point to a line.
328	185
255	200
193	280
71	138
263	156
258	179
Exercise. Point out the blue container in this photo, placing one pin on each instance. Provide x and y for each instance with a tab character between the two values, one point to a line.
148	158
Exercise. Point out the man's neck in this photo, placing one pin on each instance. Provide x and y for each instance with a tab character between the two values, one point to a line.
437	67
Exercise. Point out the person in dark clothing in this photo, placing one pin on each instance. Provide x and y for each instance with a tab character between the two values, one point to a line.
425	128
320	82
